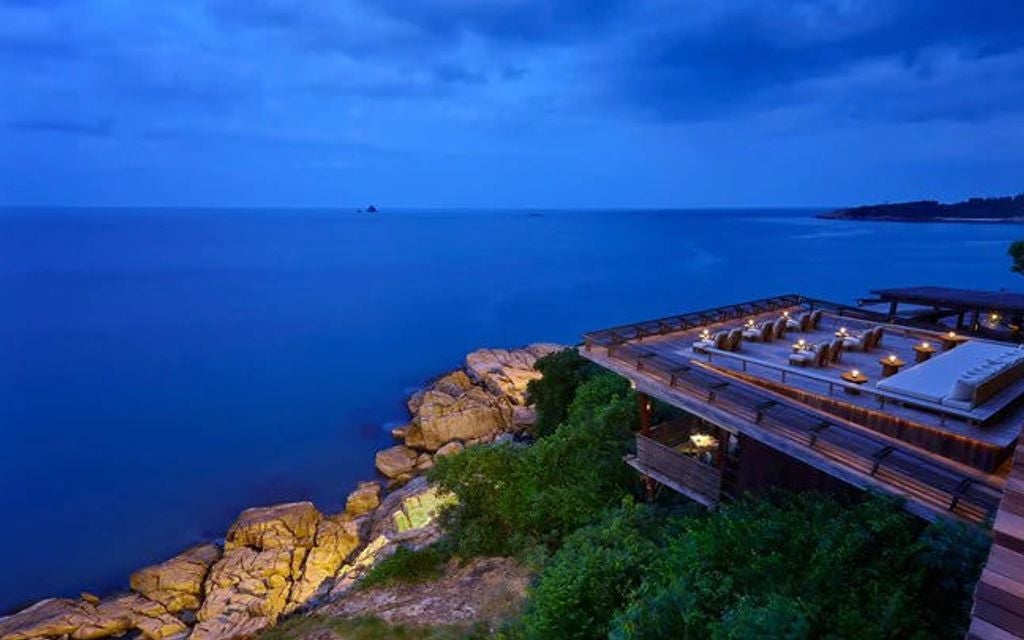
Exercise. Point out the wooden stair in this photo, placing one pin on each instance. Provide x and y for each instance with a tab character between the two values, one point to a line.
998	612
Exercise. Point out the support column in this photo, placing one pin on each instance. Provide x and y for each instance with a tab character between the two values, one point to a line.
643	402
892	310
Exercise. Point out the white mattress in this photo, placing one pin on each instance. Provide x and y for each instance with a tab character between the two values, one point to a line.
933	379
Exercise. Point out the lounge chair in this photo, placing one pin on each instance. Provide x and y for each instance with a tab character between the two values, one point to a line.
792	324
735	339
879	332
823	350
805	323
752	333
855	343
816	318
702	346
780	327
872	338
721	340
767	332
803	358
835	352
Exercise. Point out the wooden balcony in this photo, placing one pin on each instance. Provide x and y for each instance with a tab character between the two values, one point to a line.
667	455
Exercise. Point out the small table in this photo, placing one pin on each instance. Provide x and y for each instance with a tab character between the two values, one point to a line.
948	341
891	367
923	352
858	379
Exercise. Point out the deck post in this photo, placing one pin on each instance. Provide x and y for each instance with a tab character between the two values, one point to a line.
643	403
892	309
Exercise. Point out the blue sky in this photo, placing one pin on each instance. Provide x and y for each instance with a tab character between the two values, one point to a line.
515	103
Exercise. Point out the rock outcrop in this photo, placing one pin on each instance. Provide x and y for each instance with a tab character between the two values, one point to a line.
449	413
275	560
336	538
396	461
177	583
82	620
506	372
283	525
478	403
363	500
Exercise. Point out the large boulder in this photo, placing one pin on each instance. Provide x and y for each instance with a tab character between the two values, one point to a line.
265	554
396	461
336	538
443	417
363	500
283	525
177	583
131	611
246	592
82	620
506	372
451	448
51	618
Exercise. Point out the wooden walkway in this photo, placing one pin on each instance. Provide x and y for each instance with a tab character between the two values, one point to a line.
998	612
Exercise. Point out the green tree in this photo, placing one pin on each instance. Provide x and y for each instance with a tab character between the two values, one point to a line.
1016	252
806	565
596	570
563	373
512	498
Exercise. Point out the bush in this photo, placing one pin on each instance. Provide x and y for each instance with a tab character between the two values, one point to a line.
408	566
563	372
590	577
511	498
804	565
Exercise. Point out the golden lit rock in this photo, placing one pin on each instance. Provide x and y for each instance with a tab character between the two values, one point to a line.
364	499
177	583
283	525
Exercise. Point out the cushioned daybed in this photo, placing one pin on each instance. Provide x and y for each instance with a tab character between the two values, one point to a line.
962	378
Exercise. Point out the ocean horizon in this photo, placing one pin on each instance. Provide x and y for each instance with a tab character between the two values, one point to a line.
166	368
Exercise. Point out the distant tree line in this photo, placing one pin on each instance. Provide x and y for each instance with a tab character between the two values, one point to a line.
1001	208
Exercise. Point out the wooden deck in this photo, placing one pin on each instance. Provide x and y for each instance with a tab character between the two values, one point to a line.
998	612
980	437
652	355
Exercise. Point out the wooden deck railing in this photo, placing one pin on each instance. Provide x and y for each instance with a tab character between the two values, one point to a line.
942	489
662	326
701	479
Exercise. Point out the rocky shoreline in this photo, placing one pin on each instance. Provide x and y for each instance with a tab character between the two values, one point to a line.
286	558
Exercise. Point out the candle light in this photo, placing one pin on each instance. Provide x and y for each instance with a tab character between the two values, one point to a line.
925	345
855	373
952	334
892	358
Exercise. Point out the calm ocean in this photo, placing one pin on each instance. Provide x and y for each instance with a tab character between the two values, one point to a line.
160	370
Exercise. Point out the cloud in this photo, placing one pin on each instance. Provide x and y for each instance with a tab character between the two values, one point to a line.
101	128
763	55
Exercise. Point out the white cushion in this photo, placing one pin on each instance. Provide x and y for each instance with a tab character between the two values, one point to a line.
933	380
963	389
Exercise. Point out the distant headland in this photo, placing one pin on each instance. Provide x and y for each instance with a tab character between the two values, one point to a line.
1004	209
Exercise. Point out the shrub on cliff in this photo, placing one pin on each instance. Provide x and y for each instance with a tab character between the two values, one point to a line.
594	572
807	566
512	498
562	374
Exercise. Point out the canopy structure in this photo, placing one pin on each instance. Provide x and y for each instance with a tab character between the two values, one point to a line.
986	309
